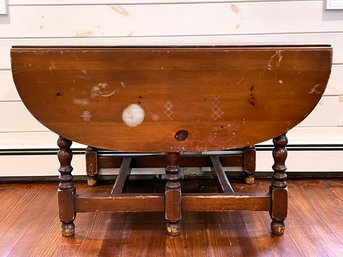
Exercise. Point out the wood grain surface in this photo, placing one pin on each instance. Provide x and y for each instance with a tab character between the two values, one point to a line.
171	98
29	225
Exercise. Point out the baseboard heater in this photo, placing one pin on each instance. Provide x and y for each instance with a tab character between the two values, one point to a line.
34	152
77	151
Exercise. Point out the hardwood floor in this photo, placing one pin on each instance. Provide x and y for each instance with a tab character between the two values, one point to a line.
29	225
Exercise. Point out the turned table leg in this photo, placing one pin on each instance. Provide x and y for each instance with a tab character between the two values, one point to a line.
173	195
278	189
66	189
92	165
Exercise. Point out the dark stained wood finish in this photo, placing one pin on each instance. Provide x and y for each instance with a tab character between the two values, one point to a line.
120	203
123	174
278	189
249	165
226	202
209	202
220	176
223	97
92	167
95	160
159	161
29	225
172	99
66	189
173	195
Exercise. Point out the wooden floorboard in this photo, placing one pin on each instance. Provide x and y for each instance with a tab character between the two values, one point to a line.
29	225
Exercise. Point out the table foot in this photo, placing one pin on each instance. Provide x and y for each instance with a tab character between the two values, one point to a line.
278	227
174	228
92	181
250	180
68	229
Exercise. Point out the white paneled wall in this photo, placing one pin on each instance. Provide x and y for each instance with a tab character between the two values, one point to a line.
169	22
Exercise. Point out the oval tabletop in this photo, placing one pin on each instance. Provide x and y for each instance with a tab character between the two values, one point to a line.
171	99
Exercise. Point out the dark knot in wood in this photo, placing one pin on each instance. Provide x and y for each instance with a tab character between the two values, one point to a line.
181	135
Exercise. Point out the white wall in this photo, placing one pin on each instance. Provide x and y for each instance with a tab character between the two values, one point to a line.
161	22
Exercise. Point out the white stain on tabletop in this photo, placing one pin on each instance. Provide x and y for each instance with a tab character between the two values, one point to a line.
100	90
273	66
168	110
52	66
86	115
81	101
155	117
277	58
217	112
133	115
315	89
240	81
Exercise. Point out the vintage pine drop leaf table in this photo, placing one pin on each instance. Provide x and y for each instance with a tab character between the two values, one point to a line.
171	100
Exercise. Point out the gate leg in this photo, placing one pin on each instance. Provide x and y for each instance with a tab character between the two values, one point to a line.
173	195
278	188
66	189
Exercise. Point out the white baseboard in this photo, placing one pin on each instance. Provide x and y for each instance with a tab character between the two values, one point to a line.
47	164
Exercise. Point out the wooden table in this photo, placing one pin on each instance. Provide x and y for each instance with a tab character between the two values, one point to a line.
171	100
